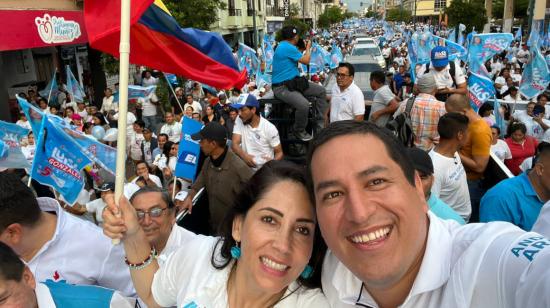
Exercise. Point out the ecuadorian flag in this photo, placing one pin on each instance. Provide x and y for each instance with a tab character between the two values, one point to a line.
157	41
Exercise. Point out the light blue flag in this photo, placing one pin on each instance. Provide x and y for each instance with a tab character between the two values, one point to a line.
34	115
58	162
455	50
188	151
483	47
536	75
172	79
424	45
101	154
336	56
461	29
317	59
73	87
263	79
51	91
267	54
248	59
517	37
136	92
210	89
452	35
10	152
499	119
480	89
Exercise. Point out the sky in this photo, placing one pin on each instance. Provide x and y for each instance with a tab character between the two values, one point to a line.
354	5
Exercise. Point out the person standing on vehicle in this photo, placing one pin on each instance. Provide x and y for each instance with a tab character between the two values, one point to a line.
292	89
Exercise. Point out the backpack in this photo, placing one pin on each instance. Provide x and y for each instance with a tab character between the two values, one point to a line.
401	126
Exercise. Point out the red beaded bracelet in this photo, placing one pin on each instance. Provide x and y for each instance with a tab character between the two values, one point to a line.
144	263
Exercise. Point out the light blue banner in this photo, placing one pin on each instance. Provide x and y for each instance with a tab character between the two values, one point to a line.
135	92
536	75
50	91
11	155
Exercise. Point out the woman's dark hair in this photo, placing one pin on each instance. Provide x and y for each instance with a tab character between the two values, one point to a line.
67	108
516	126
484	108
101	118
261	182
87	125
166	149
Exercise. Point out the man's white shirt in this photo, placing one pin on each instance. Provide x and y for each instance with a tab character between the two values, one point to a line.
450	183
172	130
542	225
475	265
80	254
347	104
259	142
45	300
152	177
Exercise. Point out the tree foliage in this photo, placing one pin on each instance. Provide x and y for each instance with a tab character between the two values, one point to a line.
330	16
398	14
200	14
295	10
470	13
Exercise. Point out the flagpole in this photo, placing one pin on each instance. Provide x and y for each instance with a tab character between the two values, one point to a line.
124	50
51	87
174	93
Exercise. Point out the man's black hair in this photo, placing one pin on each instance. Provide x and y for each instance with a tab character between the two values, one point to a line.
140	123
17	202
349	66
378	76
450	124
396	150
11	267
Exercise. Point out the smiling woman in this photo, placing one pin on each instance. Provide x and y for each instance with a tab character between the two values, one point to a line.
269	253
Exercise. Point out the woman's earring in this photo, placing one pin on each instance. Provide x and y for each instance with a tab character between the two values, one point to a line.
307	272
236	251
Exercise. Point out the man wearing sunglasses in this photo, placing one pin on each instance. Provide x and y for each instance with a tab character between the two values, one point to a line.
156	215
347	101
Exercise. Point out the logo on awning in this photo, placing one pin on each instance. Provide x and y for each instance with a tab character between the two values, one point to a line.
53	29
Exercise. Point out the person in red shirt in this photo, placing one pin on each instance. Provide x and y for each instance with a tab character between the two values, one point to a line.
521	146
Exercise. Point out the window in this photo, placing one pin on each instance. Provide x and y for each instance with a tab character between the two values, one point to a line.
439	5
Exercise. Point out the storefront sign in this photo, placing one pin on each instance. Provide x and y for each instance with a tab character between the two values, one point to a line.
22	29
286	8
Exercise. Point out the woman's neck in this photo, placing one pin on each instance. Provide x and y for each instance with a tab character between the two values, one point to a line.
242	292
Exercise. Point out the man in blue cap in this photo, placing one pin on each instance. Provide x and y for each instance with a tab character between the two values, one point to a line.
255	139
449	78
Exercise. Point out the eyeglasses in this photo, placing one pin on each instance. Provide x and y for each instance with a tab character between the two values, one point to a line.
153	213
342	75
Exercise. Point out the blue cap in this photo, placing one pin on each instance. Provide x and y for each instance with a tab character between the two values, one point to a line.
440	56
247	100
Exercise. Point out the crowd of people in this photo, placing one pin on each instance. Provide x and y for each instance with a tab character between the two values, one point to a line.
367	222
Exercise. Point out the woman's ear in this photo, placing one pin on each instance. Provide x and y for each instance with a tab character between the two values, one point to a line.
237	227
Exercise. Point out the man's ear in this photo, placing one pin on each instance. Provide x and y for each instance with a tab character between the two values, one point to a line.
12	235
28	278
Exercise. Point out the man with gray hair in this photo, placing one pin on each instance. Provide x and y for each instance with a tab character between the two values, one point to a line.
425	113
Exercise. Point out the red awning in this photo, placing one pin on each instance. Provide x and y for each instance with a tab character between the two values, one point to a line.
22	29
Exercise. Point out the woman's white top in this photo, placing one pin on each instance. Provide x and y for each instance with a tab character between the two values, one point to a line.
188	279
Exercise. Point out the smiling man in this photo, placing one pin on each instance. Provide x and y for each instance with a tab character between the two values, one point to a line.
387	250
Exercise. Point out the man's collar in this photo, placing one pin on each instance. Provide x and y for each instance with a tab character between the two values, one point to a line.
434	271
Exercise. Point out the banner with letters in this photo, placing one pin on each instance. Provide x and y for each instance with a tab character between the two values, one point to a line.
483	47
480	89
189	150
136	92
58	162
536	75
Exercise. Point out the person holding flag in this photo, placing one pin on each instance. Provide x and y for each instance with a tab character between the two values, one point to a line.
292	89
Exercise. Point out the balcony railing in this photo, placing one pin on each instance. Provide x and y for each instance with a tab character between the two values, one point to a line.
274	11
234	12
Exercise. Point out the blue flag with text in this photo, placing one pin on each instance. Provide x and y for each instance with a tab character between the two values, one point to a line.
189	150
11	155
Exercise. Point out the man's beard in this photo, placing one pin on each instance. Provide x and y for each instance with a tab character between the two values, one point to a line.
247	121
